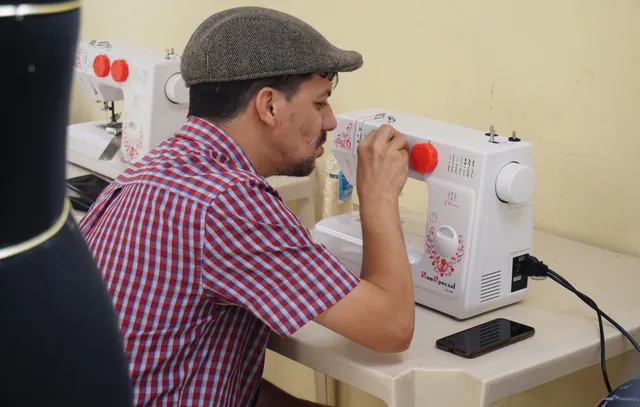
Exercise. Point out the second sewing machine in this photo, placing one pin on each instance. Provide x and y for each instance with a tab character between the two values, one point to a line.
480	216
154	97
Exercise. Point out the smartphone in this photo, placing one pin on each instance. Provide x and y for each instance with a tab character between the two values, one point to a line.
484	338
83	191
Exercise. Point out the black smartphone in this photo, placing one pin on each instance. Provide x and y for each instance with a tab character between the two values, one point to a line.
84	190
484	338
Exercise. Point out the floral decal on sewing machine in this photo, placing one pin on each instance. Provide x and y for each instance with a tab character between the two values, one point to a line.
442	266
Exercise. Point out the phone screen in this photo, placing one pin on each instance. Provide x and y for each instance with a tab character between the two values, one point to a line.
485	338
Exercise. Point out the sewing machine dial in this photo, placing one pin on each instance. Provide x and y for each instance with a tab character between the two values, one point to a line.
101	66
446	241
515	183
424	157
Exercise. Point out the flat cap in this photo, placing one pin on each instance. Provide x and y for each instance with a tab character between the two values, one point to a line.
256	42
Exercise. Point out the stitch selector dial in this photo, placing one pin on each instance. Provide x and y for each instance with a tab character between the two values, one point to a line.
101	66
119	70
423	157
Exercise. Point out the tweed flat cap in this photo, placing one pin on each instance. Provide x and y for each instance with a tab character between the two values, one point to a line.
255	42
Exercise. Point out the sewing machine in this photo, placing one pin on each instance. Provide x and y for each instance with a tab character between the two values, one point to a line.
480	215
155	102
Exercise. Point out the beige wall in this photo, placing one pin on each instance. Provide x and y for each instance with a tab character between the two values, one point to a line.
563	74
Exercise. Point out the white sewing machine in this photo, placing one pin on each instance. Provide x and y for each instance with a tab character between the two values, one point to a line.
155	103
480	214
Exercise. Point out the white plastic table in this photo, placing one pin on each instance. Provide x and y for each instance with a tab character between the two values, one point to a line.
566	339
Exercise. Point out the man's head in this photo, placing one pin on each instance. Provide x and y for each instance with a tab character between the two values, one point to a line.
260	71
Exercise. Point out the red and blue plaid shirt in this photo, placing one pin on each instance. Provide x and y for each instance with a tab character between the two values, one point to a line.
203	260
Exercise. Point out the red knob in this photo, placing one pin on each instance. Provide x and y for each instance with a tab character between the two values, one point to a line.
424	157
119	70
101	66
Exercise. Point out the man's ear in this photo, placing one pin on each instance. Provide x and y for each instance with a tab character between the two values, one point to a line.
268	101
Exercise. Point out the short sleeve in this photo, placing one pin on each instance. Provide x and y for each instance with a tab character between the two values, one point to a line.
257	255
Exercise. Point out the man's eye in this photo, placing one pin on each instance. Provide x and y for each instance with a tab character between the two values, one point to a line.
322	104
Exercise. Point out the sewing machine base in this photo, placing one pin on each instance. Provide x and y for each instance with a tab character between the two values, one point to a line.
86	144
342	235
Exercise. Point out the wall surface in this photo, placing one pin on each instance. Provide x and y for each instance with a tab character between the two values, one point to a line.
563	75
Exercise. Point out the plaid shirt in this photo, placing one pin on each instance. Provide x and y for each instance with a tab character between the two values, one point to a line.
202	260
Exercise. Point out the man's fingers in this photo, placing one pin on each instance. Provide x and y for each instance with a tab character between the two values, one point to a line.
399	141
384	133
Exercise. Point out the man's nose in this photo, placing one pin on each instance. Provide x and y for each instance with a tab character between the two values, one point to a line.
329	121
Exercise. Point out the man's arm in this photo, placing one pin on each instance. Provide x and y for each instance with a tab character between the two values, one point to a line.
379	312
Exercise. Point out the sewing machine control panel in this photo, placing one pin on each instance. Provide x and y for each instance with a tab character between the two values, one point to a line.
102	67
440	149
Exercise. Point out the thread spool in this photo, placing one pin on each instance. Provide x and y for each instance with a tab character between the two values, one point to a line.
336	191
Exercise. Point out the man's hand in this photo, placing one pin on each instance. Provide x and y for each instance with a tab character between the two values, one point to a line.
383	164
379	312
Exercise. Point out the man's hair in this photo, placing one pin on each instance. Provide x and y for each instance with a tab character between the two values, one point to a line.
223	101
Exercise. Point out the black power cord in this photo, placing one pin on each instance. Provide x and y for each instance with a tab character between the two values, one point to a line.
532	267
558	279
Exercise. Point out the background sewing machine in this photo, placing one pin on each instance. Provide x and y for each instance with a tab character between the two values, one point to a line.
480	214
155	102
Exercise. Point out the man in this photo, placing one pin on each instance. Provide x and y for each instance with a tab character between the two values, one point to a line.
200	254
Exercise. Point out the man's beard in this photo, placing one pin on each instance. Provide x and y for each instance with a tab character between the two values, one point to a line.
306	167
302	169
